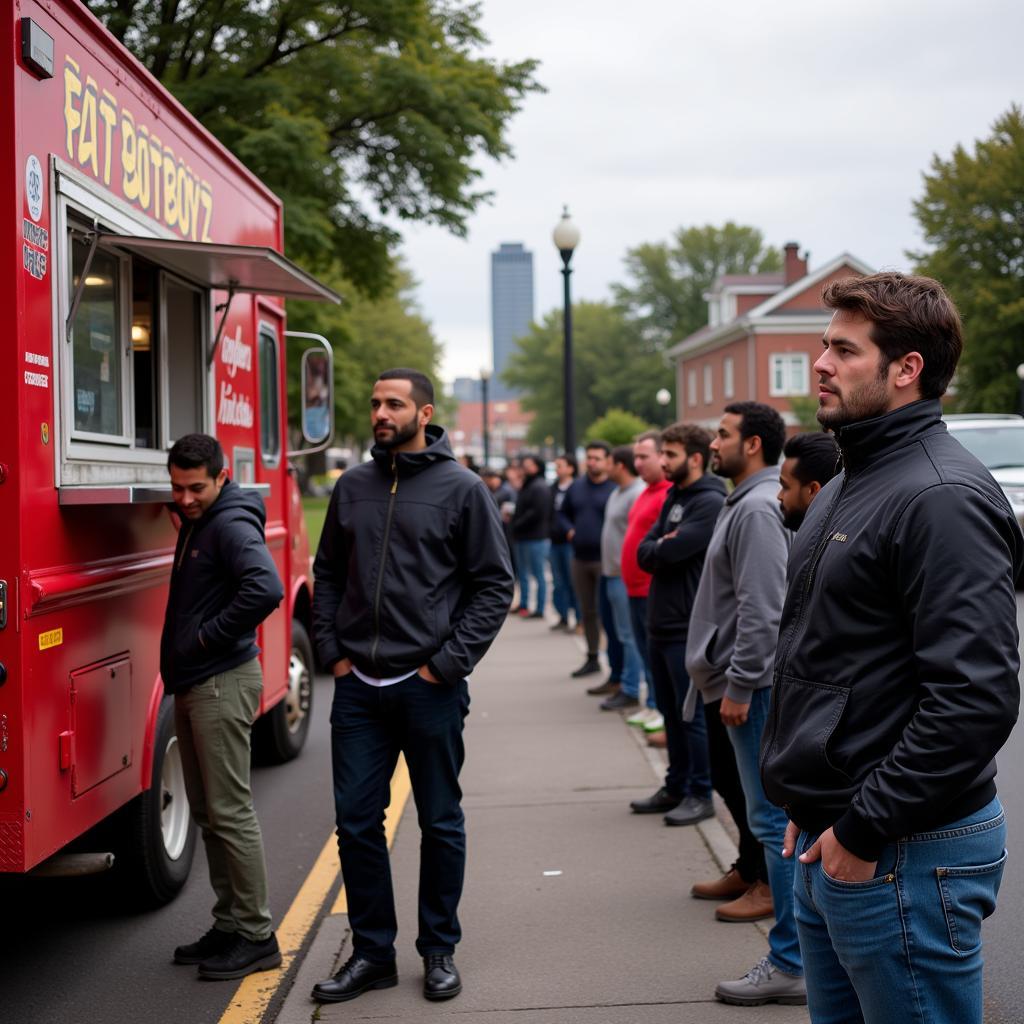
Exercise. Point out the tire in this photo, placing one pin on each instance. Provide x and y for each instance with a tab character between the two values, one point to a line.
159	837
280	734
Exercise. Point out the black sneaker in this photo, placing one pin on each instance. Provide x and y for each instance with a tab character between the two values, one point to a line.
619	702
588	668
242	957
213	942
561	626
660	802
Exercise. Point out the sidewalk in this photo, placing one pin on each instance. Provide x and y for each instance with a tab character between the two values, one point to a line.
575	911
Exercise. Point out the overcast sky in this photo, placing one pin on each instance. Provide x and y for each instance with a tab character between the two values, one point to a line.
811	121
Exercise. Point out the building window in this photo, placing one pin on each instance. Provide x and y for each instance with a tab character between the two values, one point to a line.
787	374
691	388
708	391
728	378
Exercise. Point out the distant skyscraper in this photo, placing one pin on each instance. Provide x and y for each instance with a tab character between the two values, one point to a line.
511	307
466	389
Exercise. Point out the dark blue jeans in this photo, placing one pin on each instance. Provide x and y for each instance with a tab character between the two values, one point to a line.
638	614
370	725
689	770
563	597
616	654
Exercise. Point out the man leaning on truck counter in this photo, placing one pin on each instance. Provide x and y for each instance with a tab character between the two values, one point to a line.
223	585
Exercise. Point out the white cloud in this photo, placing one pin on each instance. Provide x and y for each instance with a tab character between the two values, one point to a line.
811	121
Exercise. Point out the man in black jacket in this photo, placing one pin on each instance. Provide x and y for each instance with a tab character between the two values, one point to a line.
530	528
223	585
895	675
413	582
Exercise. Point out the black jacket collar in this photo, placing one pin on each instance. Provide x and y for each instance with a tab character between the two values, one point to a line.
868	441
407	463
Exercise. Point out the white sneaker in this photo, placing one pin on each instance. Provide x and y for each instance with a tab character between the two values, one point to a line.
655	723
763	983
640	717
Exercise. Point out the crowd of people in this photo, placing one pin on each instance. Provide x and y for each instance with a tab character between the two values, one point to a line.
829	644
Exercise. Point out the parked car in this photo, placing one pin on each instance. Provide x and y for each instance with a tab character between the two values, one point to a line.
997	440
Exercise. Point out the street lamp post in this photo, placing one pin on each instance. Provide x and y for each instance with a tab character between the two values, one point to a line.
485	378
567	236
1020	394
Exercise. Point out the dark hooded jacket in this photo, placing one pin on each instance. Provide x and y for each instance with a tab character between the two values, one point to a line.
675	564
530	521
413	568
223	585
896	668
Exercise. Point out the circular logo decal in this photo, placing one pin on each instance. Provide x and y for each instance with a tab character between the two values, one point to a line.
34	186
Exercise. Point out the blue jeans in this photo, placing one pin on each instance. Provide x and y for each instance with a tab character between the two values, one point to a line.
768	823
563	596
530	558
686	743
632	665
369	726
906	945
604	609
638	616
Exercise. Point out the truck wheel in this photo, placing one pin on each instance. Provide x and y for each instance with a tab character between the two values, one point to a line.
160	836
280	734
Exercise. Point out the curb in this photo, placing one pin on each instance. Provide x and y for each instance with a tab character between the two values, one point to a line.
321	961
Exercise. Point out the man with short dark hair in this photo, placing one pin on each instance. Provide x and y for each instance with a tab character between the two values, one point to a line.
529	528
563	597
223	585
896	678
733	633
413	582
583	512
810	461
673	552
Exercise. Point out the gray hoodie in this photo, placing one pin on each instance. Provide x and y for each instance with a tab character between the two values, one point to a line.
734	625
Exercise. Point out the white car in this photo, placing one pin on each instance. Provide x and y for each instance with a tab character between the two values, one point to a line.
997	441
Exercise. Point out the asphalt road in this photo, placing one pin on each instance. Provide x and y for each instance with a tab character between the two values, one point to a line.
1004	980
72	953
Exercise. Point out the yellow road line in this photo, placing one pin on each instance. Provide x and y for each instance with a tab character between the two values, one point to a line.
250	1001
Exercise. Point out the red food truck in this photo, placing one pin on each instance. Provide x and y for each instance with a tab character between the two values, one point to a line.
146	293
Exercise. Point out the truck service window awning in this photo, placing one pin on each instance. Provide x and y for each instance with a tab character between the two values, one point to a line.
234	268
230	268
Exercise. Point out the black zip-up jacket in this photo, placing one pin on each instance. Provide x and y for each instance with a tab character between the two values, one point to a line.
675	564
223	585
896	671
413	568
533	507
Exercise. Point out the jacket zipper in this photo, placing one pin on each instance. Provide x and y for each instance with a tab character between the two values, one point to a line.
184	545
380	570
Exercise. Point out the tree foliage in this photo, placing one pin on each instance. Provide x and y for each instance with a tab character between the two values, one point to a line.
368	336
667	281
616	427
350	111
613	368
972	218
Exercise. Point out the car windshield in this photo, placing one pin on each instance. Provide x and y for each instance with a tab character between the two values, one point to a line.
994	447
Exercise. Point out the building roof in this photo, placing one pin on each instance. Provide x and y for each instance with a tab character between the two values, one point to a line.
770	280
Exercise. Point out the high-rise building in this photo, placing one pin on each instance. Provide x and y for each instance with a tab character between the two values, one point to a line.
466	389
511	307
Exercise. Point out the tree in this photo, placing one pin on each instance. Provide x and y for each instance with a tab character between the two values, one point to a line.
368	336
352	112
614	367
972	217
616	427
664	295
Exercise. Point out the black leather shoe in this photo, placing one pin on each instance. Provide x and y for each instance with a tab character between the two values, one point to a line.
662	801
440	976
242	957
619	702
690	811
356	977
213	942
588	668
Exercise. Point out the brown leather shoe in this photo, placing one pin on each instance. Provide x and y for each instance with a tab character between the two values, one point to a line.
753	905
729	887
657	739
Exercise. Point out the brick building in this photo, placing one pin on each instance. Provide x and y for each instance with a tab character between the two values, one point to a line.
507	425
762	337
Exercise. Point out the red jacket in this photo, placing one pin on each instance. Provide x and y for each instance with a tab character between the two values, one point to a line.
642	516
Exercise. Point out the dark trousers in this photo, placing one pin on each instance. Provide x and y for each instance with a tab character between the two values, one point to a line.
370	725
638	614
689	773
616	654
725	778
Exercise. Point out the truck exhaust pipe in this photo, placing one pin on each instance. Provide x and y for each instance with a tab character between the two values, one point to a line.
73	865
